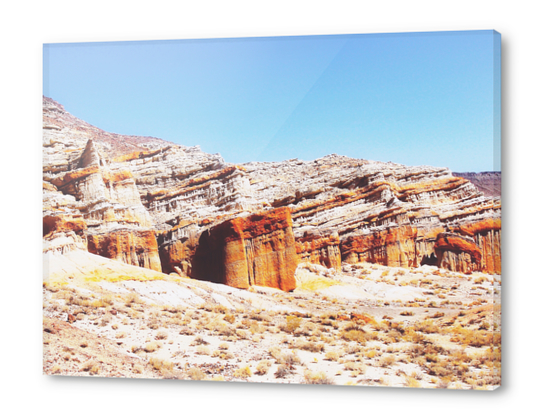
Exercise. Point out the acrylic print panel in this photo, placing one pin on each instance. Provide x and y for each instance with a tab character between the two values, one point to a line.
310	210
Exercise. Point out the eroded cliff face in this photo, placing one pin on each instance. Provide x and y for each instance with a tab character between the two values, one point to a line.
255	250
135	247
177	209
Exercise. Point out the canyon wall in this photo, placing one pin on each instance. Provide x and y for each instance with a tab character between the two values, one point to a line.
179	210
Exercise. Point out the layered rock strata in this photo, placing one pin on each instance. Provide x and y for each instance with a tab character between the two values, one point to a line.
177	209
258	250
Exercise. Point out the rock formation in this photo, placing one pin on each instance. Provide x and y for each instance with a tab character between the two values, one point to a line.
255	250
176	209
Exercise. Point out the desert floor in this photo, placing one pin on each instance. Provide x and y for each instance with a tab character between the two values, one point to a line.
366	325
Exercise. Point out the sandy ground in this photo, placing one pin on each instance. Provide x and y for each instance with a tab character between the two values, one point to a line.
365	325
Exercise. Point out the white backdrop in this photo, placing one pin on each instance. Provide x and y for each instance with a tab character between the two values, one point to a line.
25	27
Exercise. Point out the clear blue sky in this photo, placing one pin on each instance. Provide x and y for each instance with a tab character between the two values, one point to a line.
419	98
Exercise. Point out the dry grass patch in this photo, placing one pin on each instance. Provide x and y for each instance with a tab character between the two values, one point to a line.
357	368
309	346
316	283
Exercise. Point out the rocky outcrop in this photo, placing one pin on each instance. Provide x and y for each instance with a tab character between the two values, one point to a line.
487	236
180	210
457	253
394	246
320	250
258	250
133	247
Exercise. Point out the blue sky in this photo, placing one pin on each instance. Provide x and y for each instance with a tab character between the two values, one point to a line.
417	98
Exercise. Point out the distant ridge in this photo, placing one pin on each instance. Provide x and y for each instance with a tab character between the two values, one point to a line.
488	183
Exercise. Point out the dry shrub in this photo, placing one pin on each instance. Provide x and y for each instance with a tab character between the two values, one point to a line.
102	302
259	316
328	318
275	353
318	378
413	336
203	350
263	367
388	360
196	374
161	335
352	349
220	309
282	371
256	328
242	373
154	323
309	346
459	356
427	327
292	323
357	368
220	327
186	331
90	366
411	382
332	356
439	369
309	328
226	355
474	338
358	336
290	359
443	383
229	318
151	347
132	298
199	341
241	334
162	366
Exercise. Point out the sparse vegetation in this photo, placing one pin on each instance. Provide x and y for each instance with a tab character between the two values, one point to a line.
263	367
336	337
243	373
196	374
318	378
